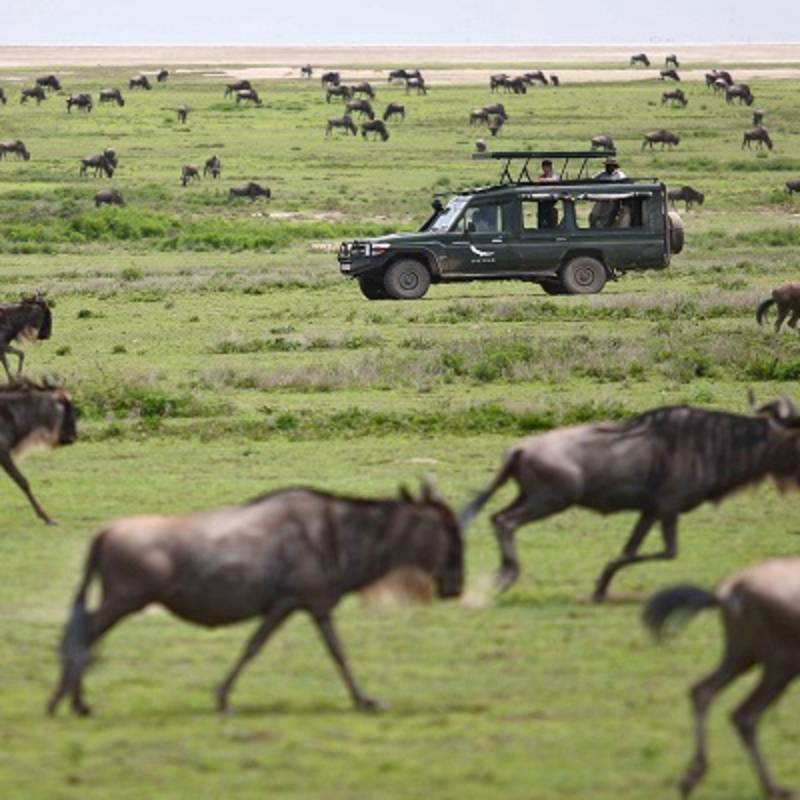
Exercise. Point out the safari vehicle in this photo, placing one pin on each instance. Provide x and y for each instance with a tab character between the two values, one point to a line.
569	236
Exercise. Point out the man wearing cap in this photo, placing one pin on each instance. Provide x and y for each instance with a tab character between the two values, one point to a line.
612	172
547	175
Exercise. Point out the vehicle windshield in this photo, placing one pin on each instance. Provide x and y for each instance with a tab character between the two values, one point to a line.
450	213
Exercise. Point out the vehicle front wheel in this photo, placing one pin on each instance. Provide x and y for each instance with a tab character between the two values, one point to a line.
583	275
407	280
372	288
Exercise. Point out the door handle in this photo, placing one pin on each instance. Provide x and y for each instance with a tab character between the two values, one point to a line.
497	241
561	238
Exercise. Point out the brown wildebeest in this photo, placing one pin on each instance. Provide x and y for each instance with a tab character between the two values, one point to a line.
49	82
103	162
3	98
237	86
287	551
189	172
394	110
162	75
330	79
687	194
758	117
248	95
675	96
338	90
418	84
760	611
31	416
602	142
793	186
112	96
37	93
15	146
740	92
639	58
250	189
376	126
759	135
536	75
182	113
111	197
139	82
83	101
345	122
786	298
29	320
663	137
669	73
662	463
360	107
671	60
212	166
363	88
306	71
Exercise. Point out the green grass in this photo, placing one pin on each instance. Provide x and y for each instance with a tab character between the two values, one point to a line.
214	352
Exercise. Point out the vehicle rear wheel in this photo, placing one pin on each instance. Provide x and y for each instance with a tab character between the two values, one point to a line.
553	287
372	288
407	280
583	275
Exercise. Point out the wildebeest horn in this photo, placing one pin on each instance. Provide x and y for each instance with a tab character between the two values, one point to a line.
405	494
782	410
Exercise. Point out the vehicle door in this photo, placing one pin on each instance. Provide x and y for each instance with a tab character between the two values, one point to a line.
484	240
544	233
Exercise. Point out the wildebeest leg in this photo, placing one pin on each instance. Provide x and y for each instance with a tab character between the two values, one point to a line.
274	617
18	478
782	312
792	323
328	632
773	682
18	353
630	551
5	362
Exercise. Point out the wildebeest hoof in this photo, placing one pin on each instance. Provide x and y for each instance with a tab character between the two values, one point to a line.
50	521
365	703
82	710
779	793
505	578
222	702
599	596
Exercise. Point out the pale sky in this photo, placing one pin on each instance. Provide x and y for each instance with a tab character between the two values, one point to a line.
62	22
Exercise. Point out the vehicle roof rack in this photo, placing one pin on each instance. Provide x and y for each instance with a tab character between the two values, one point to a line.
526	156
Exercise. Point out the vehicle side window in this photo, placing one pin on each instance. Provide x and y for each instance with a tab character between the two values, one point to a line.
614	214
542	214
487	218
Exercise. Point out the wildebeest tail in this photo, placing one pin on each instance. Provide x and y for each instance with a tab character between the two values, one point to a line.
682	601
762	309
471	510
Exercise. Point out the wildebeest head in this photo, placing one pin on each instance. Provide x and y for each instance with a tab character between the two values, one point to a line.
68	431
45	326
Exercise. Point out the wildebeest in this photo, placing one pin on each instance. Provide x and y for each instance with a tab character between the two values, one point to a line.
760	608
418	84
360	107
497	80
497	109
15	146
404	74
306	71
189	172
518	85
740	92
720	85
662	463
674	96
786	298
345	122
671	60
82	101
32	415
602	142
250	189
793	186
759	135
111	197
669	73
687	194
663	137
536	75
49	82
29	320
286	551
330	79
139	82
394	110
212	166
758	117
248	95
480	145
237	86
3	98
340	91
639	58
37	93
182	113
105	162
112	96
478	115
162	75
363	88
554	80
376	126
495	123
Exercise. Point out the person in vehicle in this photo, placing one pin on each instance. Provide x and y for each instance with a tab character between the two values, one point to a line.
548	175
611	171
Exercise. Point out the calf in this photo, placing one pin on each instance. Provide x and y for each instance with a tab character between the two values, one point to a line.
787	300
189	172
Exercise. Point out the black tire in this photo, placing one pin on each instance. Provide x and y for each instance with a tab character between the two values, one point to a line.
676	235
407	279
583	275
553	287
372	288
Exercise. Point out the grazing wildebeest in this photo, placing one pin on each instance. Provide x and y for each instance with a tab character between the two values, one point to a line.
111	197
306	71
759	135
602	142
793	186
536	75
250	189
32	415
15	146
37	93
105	162
112	96
687	194
182	113
376	126
340	91
237	86
498	80
330	79
740	92
361	107
29	320
671	59
674	96
786	298
394	110
49	82
189	172
724	75
669	73
478	116
720	85
640	58
418	84
3	98
363	88
554	80
497	109
496	121
82	101
162	75
139	82
760	609
345	122
518	85
212	166
663	137
662	463
248	95
286	551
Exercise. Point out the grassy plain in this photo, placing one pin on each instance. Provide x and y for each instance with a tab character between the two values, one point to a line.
215	353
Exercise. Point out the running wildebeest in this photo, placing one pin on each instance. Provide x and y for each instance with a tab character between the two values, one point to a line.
189	172
360	107
496	122
286	551
182	113
759	135
162	75
669	73
671	60
662	463
662	137
105	162
3	98
786	298
250	189
249	95
376	126
345	122
29	320
363	88
602	142
111	197
139	82
340	91
793	186
306	71
758	117
112	96
15	146
687	194
639	58
761	619
49	82
330	79
82	101
37	93
31	416
536	75
674	96
212	166
740	92
394	110
418	84
237	86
